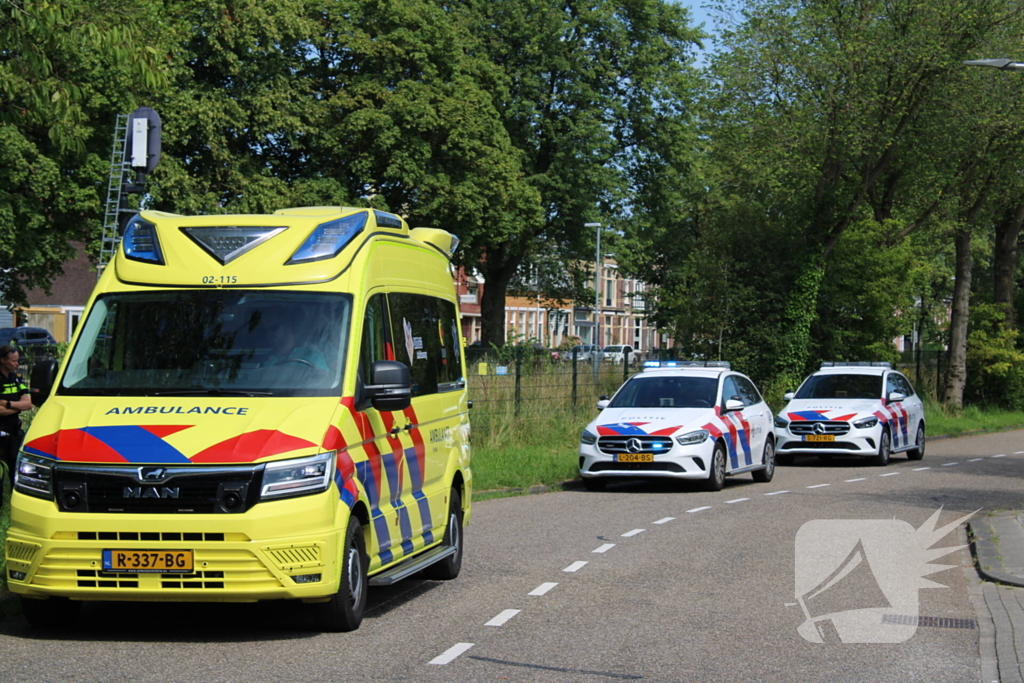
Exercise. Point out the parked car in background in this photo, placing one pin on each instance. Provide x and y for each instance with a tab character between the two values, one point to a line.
616	354
584	352
25	336
859	409
692	420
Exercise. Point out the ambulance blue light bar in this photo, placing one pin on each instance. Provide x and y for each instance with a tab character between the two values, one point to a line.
664	364
140	241
328	239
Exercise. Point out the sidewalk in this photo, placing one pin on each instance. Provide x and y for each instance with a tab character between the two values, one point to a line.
999	551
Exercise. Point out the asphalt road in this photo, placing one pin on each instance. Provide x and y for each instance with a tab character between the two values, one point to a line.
641	582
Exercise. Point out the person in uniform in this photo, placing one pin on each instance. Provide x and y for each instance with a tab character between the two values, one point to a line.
14	399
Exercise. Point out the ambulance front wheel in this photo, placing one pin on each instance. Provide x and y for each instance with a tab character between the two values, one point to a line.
344	611
449	567
50	613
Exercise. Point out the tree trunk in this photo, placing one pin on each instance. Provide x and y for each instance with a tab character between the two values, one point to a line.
956	369
1007	234
492	303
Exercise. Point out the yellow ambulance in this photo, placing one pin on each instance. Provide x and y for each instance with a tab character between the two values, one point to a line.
254	407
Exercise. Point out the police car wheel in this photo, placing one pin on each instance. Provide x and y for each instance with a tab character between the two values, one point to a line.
50	613
768	460
917	452
884	450
344	611
595	484
448	568
716	476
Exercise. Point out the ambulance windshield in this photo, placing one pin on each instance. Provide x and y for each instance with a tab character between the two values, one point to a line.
211	342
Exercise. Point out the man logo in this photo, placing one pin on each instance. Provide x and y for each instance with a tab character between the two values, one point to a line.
152	473
851	573
160	492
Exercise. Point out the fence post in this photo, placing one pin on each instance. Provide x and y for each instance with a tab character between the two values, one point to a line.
575	353
519	377
625	365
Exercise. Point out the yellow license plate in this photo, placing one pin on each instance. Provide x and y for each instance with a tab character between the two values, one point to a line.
820	437
148	561
635	457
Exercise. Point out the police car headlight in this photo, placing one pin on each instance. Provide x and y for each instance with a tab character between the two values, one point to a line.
588	438
34	476
693	438
298	477
780	423
866	422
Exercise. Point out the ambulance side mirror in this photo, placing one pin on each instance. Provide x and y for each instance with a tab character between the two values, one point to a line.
43	375
390	387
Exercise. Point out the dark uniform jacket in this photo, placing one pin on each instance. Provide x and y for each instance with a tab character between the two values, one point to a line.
12	388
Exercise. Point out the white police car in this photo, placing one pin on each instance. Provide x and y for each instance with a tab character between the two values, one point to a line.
860	409
680	420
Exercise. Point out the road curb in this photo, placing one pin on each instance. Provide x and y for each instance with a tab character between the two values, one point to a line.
998	542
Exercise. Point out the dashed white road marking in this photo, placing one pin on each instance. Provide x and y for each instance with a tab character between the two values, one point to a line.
451	653
889	474
542	589
705	507
634	532
850	481
775	493
918	469
1001	455
949	464
664	520
502	617
1018	452
975	459
737	500
603	548
575	566
818	486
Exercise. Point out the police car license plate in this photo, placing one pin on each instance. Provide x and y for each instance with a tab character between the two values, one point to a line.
148	561
820	437
634	457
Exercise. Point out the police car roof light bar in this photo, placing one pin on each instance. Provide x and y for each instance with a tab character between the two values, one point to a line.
857	364
662	364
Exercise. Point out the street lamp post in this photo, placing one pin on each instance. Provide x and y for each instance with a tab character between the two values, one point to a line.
1004	64
597	297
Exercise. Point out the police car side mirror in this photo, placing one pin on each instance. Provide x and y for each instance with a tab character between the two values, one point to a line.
603	403
895	397
732	404
788	396
43	375
390	387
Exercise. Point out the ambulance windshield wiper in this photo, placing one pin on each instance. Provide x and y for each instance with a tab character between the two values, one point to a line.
212	392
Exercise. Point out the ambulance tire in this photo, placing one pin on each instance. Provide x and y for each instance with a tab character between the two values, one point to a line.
884	450
52	613
768	459
344	611
917	452
716	472
449	568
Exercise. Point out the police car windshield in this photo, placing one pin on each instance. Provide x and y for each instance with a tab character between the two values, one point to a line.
667	392
212	341
841	386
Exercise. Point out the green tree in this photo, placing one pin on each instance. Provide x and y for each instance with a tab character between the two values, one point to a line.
66	69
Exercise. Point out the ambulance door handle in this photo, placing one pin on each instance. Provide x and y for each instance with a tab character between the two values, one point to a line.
395	431
409	427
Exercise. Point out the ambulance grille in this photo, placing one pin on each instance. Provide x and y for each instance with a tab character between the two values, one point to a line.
235	570
175	490
295	557
171	536
659	445
23	552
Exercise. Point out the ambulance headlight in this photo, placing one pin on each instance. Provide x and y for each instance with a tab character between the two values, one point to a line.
34	476
588	438
693	438
866	422
298	477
